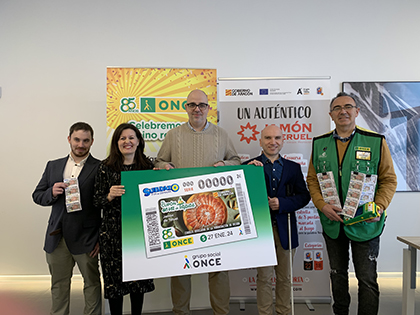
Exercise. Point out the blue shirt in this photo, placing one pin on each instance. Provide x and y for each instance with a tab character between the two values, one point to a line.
272	172
205	127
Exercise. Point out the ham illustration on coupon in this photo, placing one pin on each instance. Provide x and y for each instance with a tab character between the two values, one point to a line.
195	212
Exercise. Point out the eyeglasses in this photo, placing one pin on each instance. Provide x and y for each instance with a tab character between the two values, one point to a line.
193	106
346	107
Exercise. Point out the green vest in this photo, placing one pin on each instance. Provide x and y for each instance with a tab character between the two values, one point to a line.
363	154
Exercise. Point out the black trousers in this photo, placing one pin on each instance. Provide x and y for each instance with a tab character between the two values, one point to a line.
116	305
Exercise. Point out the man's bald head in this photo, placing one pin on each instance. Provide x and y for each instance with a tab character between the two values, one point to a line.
271	128
271	141
195	94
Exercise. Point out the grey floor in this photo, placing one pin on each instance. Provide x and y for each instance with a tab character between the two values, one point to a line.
31	296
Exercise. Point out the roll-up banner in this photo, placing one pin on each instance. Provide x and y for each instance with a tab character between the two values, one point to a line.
153	99
299	106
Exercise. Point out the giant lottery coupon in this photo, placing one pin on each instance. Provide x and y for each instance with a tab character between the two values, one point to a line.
194	220
195	212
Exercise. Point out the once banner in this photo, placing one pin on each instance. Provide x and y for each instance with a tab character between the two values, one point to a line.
194	220
299	107
153	99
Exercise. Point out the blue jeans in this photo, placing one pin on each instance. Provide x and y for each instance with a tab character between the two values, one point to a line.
364	255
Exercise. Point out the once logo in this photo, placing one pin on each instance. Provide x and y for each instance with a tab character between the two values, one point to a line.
162	104
207	262
178	243
147	105
187	263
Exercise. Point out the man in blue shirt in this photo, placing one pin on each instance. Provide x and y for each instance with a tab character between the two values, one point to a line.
287	192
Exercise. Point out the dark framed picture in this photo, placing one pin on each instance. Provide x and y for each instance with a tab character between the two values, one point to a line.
393	109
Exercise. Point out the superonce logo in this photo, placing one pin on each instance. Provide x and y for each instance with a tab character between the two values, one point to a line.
148	191
238	92
162	104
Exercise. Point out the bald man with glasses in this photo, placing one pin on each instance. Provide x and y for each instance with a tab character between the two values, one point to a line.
198	143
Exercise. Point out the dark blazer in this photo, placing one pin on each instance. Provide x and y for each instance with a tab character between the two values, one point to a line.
293	195
80	229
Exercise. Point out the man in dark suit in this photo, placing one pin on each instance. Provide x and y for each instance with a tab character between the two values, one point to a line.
287	192
73	227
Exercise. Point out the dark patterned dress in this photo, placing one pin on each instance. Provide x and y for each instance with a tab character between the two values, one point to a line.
110	237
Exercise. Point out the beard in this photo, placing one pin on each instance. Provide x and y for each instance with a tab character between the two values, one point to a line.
80	152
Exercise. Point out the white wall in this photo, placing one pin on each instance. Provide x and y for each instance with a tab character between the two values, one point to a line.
54	54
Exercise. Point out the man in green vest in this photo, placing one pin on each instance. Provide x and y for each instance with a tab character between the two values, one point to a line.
349	166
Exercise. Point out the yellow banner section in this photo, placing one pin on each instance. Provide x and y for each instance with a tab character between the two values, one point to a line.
153	99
